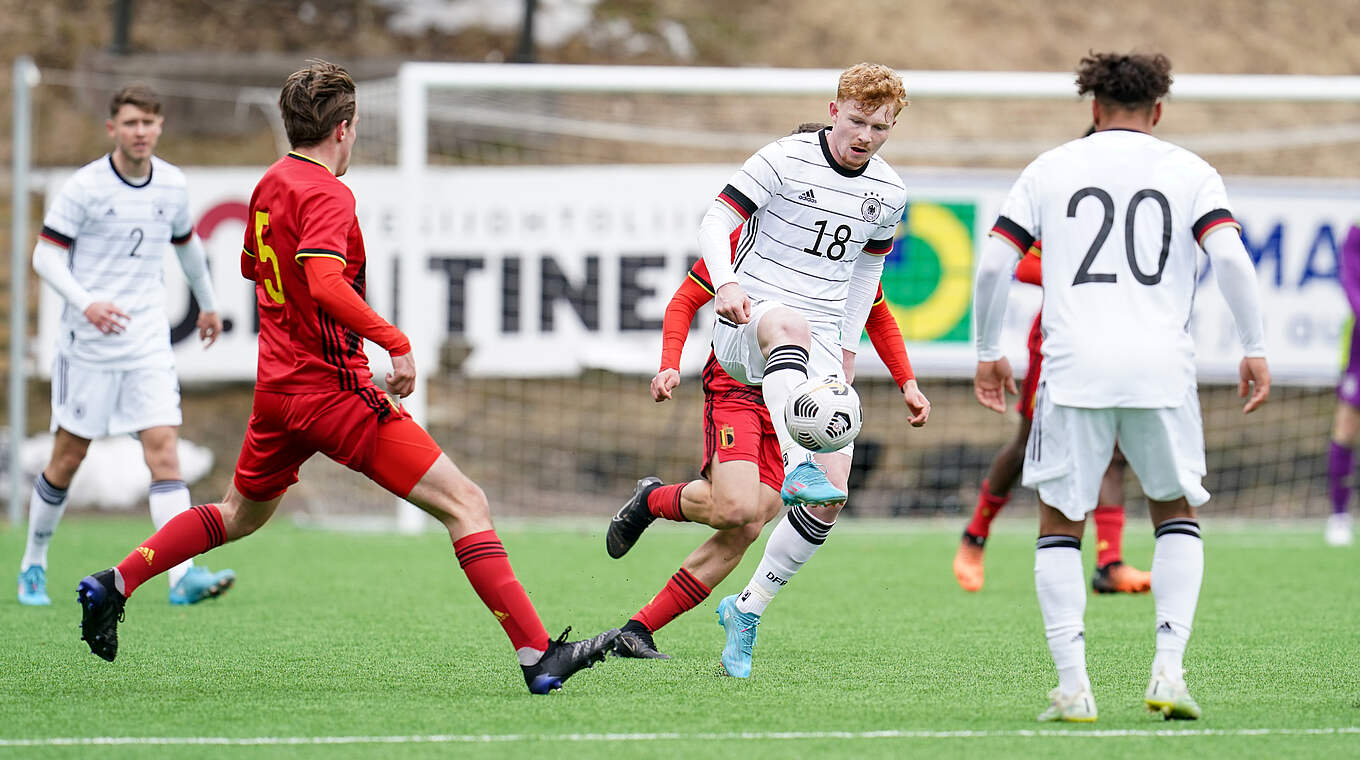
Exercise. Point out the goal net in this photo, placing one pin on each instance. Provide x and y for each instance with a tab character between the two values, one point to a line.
527	226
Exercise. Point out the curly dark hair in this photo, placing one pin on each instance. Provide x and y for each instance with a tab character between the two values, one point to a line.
1126	80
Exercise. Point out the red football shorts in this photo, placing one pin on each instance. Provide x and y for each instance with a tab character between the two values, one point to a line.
737	426
1036	360
362	430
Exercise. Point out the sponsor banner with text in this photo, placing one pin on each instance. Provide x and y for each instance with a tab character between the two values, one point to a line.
535	271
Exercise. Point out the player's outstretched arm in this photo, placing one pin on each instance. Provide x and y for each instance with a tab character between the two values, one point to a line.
887	339
715	236
1237	281
194	261
993	377
327	286
692	294
49	261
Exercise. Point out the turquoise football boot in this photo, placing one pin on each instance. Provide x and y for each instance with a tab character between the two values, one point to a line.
807	484
200	583
741	637
33	587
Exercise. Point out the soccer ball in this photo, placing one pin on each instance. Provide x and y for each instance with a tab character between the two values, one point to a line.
823	414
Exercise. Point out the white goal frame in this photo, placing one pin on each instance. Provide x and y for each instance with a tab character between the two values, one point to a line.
416	80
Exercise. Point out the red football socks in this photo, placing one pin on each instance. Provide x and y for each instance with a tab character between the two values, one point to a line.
988	505
664	502
1109	534
187	535
682	592
487	566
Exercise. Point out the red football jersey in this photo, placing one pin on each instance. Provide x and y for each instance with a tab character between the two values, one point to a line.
300	210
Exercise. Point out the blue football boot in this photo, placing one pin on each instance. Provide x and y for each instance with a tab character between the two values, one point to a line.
200	583
33	587
807	484
741	637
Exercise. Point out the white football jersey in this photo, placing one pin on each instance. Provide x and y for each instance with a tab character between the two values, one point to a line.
807	219
1121	215
116	235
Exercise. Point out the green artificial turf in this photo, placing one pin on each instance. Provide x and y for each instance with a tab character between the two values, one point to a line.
346	635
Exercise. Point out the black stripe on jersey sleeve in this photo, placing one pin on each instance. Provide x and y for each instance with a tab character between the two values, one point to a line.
705	284
56	238
878	247
306	252
1013	232
182	239
1212	221
738	201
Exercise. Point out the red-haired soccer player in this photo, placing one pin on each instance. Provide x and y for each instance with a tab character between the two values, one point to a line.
315	393
1111	575
741	471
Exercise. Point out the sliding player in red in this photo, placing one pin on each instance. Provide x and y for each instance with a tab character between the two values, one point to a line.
315	393
1111	575
742	470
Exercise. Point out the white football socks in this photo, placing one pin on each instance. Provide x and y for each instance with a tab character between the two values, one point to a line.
1177	573
169	498
791	544
45	508
785	368
1061	586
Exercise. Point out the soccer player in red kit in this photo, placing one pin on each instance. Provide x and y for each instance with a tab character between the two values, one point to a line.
315	393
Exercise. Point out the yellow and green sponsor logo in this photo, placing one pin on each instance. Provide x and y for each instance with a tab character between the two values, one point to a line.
928	279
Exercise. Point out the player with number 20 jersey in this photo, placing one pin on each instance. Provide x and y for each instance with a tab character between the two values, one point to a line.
1123	216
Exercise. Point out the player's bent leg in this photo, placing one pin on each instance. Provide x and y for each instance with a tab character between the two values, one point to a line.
402	449
1339	530
992	497
1177	574
46	505
169	496
705	567
102	595
1112	574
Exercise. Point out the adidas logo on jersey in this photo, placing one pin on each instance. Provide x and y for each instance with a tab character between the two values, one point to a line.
808	196
110	212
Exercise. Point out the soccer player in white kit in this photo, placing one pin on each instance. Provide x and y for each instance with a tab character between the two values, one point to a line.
101	248
820	211
1123	216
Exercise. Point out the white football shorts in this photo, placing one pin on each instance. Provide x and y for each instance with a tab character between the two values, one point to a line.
737	349
95	402
1069	449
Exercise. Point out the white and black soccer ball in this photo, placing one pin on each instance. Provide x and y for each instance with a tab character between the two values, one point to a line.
823	414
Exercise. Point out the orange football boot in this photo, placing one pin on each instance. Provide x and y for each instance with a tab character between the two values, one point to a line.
1119	578
968	563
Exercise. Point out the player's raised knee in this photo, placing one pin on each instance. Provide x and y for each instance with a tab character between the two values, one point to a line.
735	511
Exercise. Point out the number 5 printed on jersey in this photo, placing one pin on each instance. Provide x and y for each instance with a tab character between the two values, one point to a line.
273	287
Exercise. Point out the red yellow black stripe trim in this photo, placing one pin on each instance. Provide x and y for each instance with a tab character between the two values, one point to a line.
1013	233
308	159
738	201
1212	221
879	247
708	287
55	238
247	252
305	253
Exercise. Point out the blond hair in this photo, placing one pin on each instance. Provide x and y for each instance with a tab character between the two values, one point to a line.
872	85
